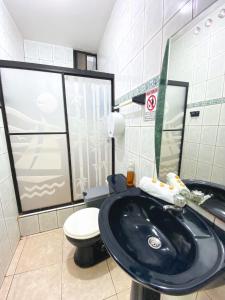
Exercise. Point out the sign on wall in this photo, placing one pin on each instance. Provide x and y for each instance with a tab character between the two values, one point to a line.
150	104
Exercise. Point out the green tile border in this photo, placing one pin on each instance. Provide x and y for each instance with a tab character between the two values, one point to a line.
153	82
207	102
160	106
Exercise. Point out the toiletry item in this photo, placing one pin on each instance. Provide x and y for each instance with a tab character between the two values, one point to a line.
175	180
130	174
199	197
158	189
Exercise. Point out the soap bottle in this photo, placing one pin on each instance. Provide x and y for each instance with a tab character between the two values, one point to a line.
130	174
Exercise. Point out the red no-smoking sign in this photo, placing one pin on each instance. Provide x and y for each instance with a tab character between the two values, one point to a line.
150	104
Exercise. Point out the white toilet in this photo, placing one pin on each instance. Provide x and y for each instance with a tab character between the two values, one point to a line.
82	230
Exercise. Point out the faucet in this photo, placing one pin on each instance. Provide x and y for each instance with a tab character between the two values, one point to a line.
179	203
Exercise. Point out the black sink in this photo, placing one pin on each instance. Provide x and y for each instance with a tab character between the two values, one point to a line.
216	204
161	251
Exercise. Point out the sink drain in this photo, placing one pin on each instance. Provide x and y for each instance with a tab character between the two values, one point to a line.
154	242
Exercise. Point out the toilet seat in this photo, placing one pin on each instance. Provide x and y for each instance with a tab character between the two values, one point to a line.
83	224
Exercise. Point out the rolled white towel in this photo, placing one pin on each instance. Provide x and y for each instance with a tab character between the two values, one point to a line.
173	179
156	188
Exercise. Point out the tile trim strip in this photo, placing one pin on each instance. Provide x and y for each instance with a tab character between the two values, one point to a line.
153	82
207	102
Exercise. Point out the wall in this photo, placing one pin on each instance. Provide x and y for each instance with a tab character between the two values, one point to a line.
11	48
11	41
199	59
132	47
48	54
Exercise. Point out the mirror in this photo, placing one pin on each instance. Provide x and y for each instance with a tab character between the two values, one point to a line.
190	119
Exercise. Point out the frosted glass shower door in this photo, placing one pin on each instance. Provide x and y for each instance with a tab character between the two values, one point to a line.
88	105
35	113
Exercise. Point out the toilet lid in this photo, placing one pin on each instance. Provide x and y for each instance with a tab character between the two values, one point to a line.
83	224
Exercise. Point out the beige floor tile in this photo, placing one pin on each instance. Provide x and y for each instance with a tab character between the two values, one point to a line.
112	298
94	283
125	295
44	283
217	293
68	249
5	287
16	257
202	296
185	297
40	251
120	279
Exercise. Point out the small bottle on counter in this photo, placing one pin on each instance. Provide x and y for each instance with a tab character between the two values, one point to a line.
130	174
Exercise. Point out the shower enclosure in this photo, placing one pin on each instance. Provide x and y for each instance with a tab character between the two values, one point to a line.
55	124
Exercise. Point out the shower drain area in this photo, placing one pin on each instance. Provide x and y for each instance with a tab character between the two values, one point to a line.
154	242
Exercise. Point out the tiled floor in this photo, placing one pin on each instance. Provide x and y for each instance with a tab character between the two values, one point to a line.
43	268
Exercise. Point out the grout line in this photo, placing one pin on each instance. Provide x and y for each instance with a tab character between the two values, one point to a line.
111	275
33	270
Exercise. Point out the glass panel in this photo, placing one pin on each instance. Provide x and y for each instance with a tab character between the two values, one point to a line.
170	153
91	63
41	163
174	107
33	100
88	105
81	61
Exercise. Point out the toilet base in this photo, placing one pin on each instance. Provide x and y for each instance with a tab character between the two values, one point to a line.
90	256
89	252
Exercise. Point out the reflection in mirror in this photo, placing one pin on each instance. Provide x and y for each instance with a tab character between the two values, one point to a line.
192	134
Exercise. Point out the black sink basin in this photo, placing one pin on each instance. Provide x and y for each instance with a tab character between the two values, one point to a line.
170	254
216	204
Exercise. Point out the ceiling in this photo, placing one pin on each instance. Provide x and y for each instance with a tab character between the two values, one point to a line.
73	23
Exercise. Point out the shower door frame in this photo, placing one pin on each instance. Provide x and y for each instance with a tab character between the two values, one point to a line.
64	72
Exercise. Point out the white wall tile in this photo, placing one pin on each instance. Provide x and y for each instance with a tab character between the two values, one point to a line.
172	7
29	225
209	134
218	175
48	54
147	168
215	88
136	70
211	115
63	214
206	153
152	59
148	143
5	249
194	134
45	51
221	136
48	221
222	115
198	92
31	49
137	35
153	18
134	141
178	21
203	171
190	150
200	5
217	66
219	158
188	168
218	43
